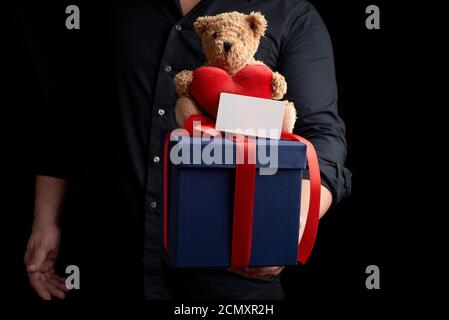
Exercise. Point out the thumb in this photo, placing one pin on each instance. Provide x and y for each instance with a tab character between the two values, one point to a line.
37	260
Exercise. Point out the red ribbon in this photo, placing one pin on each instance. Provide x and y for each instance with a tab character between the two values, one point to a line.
244	194
311	228
245	182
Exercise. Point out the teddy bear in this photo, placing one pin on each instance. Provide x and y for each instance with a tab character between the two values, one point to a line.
229	41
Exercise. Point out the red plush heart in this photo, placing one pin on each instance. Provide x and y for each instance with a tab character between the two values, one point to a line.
209	82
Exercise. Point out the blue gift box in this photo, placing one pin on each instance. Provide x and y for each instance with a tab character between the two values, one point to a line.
201	202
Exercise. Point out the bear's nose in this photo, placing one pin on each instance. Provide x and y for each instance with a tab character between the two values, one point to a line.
227	46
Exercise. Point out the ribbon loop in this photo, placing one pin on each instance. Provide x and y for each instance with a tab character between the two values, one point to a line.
308	238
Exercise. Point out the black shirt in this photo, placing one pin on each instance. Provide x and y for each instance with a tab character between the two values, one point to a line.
150	41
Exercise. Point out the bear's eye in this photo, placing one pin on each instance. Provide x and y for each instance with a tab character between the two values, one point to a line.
215	35
240	36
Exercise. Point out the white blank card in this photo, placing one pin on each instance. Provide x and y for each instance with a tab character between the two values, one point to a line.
250	116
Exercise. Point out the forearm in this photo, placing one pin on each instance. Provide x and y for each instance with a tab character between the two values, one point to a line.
326	198
49	198
325	203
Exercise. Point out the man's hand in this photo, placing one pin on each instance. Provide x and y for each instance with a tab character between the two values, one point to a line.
326	201
40	256
43	245
258	273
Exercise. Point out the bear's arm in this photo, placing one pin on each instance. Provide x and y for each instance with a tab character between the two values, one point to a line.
182	83
279	86
278	83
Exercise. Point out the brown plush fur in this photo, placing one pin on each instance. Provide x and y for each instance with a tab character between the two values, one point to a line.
242	33
182	83
185	107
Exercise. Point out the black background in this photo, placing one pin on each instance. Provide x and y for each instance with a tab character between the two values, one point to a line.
359	232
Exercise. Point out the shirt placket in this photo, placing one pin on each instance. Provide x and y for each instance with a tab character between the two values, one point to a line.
162	120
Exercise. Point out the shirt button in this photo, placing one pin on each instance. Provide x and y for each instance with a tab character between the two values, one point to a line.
178	27
161	112
156	159
153	204
167	68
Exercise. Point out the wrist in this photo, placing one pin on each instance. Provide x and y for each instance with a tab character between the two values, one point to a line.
44	222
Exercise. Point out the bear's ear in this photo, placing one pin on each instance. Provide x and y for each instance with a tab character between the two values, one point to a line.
257	23
200	25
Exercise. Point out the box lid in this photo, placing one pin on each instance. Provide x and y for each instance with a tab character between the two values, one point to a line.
220	152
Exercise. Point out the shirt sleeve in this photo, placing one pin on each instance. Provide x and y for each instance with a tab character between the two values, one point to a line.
54	59
307	63
52	145
72	127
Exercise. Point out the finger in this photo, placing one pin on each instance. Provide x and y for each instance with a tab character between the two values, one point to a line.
265	269
61	286
59	282
259	272
250	272
38	286
272	273
239	271
242	273
259	269
37	260
271	270
52	285
54	290
62	279
278	270
263	272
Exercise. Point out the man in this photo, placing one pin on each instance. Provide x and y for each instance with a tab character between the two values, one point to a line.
121	176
